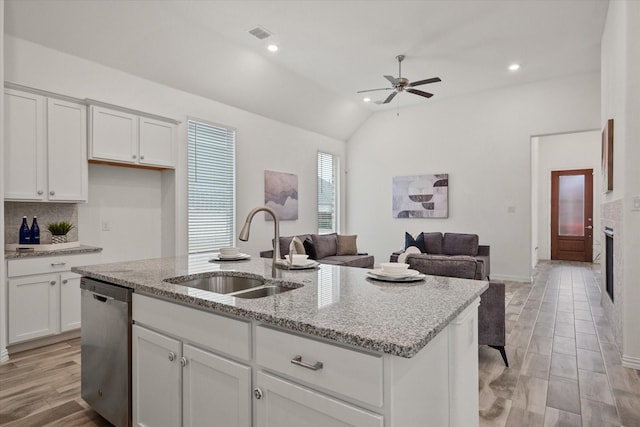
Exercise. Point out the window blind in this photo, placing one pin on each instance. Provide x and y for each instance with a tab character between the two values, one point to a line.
212	187
327	193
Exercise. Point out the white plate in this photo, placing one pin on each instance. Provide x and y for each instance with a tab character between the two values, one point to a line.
396	279
311	264
236	257
406	273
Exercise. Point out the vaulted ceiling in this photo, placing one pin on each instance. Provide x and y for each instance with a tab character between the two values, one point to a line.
328	49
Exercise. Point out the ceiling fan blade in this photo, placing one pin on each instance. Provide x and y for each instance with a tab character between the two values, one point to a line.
419	92
389	98
425	81
371	90
392	79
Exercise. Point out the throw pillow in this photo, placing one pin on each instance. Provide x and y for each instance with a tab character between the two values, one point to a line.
309	248
325	244
418	242
347	245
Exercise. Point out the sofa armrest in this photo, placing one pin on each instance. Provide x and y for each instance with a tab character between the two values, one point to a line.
484	250
484	255
266	254
491	316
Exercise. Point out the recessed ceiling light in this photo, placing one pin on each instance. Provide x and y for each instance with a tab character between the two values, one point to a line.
272	48
514	67
366	99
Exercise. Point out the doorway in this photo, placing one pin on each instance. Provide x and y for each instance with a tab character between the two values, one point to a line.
572	215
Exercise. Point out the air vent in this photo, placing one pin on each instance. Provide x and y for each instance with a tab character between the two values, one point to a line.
260	33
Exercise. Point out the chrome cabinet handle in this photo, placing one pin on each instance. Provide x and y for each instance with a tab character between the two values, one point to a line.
183	361
133	156
65	281
53	282
141	157
58	264
40	192
257	393
52	193
298	361
172	356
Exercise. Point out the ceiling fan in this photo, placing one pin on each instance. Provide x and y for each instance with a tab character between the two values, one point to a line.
402	84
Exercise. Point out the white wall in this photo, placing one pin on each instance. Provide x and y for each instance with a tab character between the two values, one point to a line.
563	152
483	142
621	102
262	143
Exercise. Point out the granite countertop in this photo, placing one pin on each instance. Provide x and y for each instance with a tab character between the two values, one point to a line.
82	249
337	303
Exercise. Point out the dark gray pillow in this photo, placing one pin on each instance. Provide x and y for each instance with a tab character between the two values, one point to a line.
325	244
460	244
432	242
418	242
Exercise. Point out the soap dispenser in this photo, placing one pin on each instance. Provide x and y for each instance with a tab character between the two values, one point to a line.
24	232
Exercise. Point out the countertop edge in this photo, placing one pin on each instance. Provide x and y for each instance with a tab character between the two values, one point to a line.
82	249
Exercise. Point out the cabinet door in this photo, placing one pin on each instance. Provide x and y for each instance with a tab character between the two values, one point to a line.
67	151
24	146
69	301
156	142
284	404
215	388
156	379
34	305
114	135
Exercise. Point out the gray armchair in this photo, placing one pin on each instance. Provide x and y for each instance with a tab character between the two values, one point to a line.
491	313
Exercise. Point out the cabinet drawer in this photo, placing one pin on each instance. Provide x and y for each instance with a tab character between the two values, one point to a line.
348	372
218	333
53	264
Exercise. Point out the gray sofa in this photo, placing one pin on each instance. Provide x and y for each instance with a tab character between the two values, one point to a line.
451	255
460	250
325	249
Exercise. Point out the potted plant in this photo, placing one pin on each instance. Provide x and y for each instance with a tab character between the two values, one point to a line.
59	231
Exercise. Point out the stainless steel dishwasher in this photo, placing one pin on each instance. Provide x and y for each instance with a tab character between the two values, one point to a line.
106	350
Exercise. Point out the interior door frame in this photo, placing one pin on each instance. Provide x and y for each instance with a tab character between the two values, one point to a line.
588	209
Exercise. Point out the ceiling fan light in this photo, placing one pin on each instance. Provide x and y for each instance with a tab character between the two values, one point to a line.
514	67
366	99
272	48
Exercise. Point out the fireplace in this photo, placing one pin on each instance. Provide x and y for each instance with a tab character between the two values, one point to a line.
608	234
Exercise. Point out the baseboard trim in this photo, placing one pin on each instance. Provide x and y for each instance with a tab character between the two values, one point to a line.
502	277
41	342
4	356
631	362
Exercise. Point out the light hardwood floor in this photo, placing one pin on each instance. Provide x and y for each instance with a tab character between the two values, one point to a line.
565	369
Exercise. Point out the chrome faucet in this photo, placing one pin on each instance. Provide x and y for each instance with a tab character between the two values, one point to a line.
244	233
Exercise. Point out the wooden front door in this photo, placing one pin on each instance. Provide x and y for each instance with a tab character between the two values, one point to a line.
572	215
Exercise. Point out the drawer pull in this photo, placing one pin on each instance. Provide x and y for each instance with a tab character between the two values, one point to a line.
58	264
298	361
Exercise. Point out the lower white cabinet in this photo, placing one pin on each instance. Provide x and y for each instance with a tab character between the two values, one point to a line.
178	384
44	296
281	403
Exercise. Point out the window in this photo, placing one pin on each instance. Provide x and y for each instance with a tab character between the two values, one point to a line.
327	193
212	187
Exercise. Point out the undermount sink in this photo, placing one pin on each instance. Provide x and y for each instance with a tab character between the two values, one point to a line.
237	286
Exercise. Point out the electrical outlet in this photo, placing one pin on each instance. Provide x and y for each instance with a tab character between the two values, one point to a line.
636	203
106	226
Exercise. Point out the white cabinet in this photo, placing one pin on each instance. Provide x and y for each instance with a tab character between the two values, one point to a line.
125	138
281	403
45	148
175	381
44	296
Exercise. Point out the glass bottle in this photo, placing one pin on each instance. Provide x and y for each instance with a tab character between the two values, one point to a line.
35	232
25	233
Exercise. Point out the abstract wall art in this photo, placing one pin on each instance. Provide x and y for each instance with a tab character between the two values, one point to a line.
281	195
421	196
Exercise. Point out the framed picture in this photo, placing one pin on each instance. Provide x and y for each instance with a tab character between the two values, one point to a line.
607	157
421	196
281	195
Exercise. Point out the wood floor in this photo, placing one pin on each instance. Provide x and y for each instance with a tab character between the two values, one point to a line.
565	369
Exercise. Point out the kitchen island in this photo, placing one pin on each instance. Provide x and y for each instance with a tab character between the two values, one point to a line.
339	349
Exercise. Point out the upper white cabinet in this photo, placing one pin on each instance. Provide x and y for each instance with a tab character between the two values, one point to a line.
129	139
45	148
